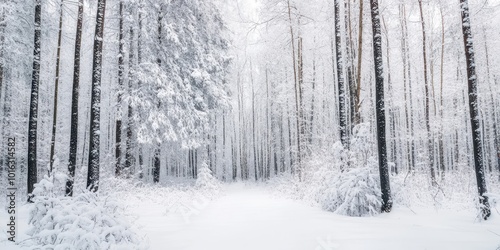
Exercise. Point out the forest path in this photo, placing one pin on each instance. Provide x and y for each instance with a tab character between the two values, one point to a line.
249	217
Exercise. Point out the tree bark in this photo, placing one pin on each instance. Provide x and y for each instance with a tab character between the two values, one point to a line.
33	115
2	49
357	113
95	109
380	108
441	146
56	92
349	62
129	158
340	79
474	109
119	112
73	142
157	153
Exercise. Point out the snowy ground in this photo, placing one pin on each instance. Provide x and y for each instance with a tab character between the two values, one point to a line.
247	216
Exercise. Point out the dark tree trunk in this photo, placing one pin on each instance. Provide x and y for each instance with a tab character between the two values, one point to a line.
351	83
380	109
474	109
119	113
73	143
56	92
33	116
340	79
2	47
157	162
156	169
3	119
139	66
129	158
93	164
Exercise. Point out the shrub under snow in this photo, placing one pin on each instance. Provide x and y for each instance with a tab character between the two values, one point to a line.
205	178
358	192
354	191
85	221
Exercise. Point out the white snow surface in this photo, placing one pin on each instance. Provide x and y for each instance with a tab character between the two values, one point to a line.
251	216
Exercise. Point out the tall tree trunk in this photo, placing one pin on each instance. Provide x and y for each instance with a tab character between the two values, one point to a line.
408	94
33	116
441	146
302	125
297	96
157	153
340	79
290	154
313	95
254	132
129	158
119	110
427	98
390	102
351	82
2	49
139	64
73	142
56	92
268	126
95	107
3	119
357	114
380	108
474	109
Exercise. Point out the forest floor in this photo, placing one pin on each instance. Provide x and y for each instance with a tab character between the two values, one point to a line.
250	216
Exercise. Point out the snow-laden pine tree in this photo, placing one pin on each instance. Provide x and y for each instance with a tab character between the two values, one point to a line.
174	100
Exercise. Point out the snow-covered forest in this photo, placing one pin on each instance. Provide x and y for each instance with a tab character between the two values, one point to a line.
141	123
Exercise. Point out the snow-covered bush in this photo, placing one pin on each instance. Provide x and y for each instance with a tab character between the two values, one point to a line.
85	221
205	178
358	191
354	192
339	180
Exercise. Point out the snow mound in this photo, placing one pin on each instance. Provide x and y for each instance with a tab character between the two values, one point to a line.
86	221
